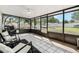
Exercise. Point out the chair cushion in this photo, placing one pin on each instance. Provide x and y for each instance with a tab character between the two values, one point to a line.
5	33
25	49
18	47
8	38
5	49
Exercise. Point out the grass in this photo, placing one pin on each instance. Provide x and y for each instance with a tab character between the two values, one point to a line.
59	29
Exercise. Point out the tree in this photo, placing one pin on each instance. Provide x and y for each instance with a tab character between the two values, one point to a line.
75	15
26	21
71	21
65	21
53	20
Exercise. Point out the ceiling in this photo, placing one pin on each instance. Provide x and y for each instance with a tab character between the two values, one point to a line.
30	10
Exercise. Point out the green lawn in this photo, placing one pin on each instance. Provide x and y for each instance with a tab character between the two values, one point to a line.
59	29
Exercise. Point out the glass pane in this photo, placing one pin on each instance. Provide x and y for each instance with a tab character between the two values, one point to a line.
55	23
32	22
15	22
24	23
72	23
44	25
12	21
37	25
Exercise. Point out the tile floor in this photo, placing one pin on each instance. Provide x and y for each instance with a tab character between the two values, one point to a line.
44	45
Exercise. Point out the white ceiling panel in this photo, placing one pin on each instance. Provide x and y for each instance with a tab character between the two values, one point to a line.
35	10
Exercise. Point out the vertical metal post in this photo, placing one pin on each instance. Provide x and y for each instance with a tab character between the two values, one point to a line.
63	25
40	24
34	23
19	24
47	23
30	24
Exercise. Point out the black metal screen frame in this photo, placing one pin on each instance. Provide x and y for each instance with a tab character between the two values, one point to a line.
63	12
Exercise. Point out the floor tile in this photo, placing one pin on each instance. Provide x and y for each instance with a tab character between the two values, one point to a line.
43	44
51	50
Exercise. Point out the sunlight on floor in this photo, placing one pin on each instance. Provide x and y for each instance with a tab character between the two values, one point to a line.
45	45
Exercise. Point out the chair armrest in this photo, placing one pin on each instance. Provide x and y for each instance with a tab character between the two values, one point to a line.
12	30
25	49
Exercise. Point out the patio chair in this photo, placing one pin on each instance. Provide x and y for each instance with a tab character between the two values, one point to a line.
6	37
11	30
20	48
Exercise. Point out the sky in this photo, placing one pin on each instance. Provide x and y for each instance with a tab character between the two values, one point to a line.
67	16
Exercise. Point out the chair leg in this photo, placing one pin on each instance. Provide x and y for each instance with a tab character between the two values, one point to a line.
31	47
